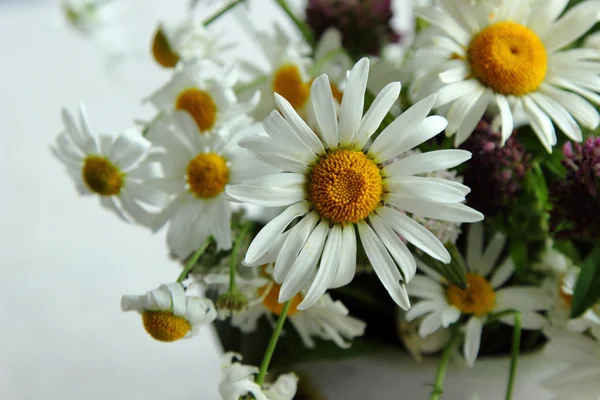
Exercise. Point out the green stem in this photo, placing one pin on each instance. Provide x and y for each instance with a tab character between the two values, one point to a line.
438	386
515	355
192	261
222	11
302	27
264	365
233	260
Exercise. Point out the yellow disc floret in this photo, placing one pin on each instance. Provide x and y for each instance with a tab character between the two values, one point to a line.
162	52
165	326
288	82
345	186
102	176
271	299
200	105
508	58
478	298
207	175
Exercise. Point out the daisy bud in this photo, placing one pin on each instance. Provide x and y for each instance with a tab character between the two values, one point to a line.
576	197
495	173
364	25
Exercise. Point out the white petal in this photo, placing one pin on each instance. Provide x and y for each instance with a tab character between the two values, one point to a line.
132	303
78	137
492	253
347	267
325	114
421	308
503	273
506	117
304	265
178	302
289	252
220	222
430	324
283	134
450	316
460	109
403	257
376	113
304	132
442	20
572	25
580	109
540	123
414	233
445	212
148	170
559	115
267	196
269	233
529	320
351	110
457	73
427	162
128	149
453	91
472	118
423	188
266	150
384	265
475	248
472	339
146	194
546	12
522	298
110	202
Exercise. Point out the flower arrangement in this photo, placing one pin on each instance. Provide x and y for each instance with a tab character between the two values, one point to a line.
320	208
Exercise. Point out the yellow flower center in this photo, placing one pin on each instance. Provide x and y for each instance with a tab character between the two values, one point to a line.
287	82
345	186
162	52
164	326
271	300
207	175
509	58
200	105
102	176
478	298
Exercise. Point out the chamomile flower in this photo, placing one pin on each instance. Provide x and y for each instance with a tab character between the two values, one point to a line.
513	57
113	168
205	92
580	355
239	381
184	40
444	303
168	314
337	183
197	169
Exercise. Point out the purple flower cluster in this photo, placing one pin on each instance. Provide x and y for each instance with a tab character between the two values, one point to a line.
494	173
364	24
577	197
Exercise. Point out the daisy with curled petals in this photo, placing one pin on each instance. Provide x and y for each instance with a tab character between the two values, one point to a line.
113	168
168	314
197	169
337	184
444	304
205	92
238	381
511	56
580	356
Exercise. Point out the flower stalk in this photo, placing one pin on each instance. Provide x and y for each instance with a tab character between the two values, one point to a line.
193	259
222	12
515	355
264	365
438	386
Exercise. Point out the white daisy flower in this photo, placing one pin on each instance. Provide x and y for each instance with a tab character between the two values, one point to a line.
580	355
204	90
239	381
184	40
113	168
168	314
512	57
444	303
197	169
336	183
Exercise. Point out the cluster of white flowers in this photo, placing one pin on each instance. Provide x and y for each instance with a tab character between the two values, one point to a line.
348	176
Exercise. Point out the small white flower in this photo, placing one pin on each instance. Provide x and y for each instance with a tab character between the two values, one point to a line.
202	89
184	40
197	169
239	380
338	183
580	355
444	304
513	55
113	168
168	314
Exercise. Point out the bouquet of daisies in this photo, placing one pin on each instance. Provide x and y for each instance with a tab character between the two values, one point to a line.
321	208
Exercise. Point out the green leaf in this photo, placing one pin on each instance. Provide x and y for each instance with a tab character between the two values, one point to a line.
518	252
455	272
587	288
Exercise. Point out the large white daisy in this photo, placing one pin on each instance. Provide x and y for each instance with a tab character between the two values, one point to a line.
168	314
444	303
337	183
197	169
580	355
114	168
202	89
511	56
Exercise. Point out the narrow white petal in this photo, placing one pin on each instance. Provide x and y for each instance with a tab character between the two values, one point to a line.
455	90
460	109
442	20
430	323
132	303
401	254
546	12
475	248
505	116
458	73
128	149
384	265
148	170
271	153
422	188
522	298
220	222
472	118
269	233
267	196
472	339
450	316
289	252
421	308
77	136
572	25
132	208
347	267
282	180
540	123
492	253
297	123
503	273
580	109
283	134
376	113
445	212
529	320
110	202
146	194
325	113
351	110
427	162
